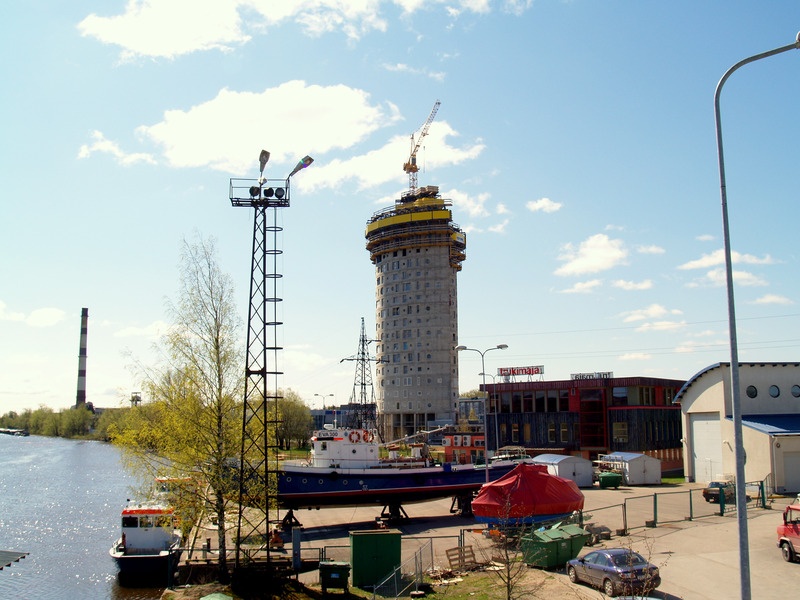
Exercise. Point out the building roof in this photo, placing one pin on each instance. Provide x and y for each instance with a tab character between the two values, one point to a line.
773	424
10	556
627	456
696	377
553	459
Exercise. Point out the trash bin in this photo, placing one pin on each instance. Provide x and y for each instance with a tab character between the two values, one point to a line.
609	479
552	548
334	575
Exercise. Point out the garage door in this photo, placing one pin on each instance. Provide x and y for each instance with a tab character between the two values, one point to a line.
706	446
791	472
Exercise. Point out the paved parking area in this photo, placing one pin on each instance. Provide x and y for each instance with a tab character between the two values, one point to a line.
699	558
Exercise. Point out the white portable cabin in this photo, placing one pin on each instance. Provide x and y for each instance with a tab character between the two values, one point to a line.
576	468
636	469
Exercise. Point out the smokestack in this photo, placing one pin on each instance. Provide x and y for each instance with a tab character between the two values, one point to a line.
81	399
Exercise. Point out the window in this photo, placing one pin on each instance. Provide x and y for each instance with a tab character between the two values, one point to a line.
515	432
564	433
551	432
620	432
796	391
774	391
751	391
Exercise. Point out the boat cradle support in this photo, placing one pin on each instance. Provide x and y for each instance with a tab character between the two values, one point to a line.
394	512
462	505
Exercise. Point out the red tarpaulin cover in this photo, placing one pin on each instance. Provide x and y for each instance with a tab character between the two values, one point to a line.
527	493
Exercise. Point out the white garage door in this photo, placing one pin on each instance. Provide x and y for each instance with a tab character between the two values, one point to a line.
706	446
791	472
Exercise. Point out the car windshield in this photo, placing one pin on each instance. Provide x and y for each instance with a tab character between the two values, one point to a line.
628	560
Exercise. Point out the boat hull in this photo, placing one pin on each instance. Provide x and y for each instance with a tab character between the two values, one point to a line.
143	568
314	487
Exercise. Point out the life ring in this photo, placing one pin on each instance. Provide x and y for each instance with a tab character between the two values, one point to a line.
367	435
355	437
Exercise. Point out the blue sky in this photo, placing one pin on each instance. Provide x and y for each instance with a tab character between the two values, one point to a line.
575	139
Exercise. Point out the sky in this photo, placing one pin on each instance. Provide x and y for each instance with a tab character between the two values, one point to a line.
575	139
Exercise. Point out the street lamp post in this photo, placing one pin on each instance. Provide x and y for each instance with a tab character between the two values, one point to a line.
323	396
486	426
741	499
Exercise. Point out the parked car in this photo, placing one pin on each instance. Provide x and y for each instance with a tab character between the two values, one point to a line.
712	491
615	571
789	532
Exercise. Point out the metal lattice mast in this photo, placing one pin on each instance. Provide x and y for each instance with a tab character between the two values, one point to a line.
363	395
258	462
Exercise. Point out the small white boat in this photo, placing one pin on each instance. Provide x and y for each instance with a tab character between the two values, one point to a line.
149	546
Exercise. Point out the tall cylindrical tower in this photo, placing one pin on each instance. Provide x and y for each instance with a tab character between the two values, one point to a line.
81	397
417	251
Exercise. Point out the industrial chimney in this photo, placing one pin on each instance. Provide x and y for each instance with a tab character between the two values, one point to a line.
81	398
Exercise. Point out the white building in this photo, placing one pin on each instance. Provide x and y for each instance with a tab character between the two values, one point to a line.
770	409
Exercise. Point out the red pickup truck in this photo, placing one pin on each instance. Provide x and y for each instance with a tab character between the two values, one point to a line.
789	532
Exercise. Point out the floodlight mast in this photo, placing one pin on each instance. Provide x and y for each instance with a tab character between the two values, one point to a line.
258	462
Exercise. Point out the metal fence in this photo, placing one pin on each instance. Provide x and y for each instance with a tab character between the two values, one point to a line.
408	576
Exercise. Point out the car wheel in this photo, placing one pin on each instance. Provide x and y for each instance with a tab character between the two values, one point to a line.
608	588
573	575
787	552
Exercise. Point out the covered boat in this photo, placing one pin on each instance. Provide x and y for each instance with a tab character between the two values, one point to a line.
527	494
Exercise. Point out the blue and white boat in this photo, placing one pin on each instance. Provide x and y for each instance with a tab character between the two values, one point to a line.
345	469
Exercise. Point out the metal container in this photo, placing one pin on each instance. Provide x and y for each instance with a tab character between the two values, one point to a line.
334	575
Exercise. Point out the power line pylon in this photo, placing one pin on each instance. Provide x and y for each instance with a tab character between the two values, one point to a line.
362	400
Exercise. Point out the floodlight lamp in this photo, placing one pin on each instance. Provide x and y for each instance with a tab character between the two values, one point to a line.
255	191
306	161
279	193
262	160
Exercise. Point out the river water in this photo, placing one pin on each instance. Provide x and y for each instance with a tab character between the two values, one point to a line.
60	501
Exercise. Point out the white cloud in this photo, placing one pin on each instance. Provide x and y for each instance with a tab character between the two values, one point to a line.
661	326
595	254
653	311
583	287
502	209
500	227
633	285
103	146
651	249
542	205
151	331
718	278
404	68
718	258
40	317
173	28
705	237
772	299
474	205
635	356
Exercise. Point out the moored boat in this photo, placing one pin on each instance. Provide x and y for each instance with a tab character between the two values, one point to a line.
149	546
346	469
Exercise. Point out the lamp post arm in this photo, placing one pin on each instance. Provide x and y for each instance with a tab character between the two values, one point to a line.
741	499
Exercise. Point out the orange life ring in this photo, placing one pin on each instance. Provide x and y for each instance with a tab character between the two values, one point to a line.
355	437
367	435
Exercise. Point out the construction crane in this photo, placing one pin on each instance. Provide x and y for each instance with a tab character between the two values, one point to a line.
410	166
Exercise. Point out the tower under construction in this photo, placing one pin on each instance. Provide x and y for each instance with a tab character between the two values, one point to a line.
417	251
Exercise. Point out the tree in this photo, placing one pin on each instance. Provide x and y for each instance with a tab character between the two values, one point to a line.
296	422
191	427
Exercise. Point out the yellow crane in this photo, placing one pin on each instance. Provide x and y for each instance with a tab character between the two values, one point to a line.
410	166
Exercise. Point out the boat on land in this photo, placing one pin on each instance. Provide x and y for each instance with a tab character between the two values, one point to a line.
527	495
149	547
346	468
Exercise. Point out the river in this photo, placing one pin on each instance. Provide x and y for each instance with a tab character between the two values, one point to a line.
60	501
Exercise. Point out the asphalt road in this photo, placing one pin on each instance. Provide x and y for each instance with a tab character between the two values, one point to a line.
671	525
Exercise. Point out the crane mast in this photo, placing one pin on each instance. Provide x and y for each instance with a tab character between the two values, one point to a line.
410	166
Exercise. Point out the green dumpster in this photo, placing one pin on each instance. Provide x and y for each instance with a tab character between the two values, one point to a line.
334	575
609	479
374	554
552	548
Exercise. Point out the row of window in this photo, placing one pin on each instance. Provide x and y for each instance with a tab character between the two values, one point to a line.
774	391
